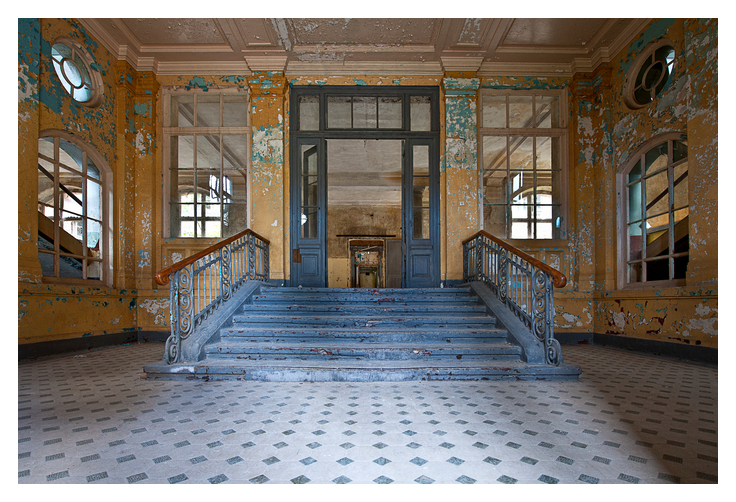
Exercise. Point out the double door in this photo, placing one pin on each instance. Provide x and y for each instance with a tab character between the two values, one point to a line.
419	212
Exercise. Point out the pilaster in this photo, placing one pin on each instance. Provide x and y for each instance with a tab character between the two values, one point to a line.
266	200
29	58
460	167
702	131
123	230
145	204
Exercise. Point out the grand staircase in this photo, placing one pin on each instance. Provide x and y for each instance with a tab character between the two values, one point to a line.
320	334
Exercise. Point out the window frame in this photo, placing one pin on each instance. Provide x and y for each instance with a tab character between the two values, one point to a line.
106	194
622	220
88	61
169	132
561	132
630	85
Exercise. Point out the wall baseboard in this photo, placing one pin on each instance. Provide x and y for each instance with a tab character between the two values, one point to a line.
57	347
692	353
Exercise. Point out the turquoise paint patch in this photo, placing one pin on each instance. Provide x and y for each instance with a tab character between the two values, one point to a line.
82	33
199	82
527	82
143	109
655	31
359	81
51	98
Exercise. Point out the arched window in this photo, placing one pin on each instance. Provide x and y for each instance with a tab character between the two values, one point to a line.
73	208
654	209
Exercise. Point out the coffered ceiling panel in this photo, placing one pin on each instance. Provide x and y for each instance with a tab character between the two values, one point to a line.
553	32
381	32
489	46
175	31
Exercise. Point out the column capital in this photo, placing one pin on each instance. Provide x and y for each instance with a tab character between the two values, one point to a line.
146	84
460	83
126	76
267	83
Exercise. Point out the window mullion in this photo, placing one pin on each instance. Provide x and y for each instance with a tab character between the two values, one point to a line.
57	211
671	205
643	223
222	186
85	254
534	177
195	172
509	187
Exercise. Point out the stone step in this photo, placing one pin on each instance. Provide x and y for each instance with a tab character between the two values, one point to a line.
364	310
273	299
366	291
364	322
372	351
335	335
353	370
363	335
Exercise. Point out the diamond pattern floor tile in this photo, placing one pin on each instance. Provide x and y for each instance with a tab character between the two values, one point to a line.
630	420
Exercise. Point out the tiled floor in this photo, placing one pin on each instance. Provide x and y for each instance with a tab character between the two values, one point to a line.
93	418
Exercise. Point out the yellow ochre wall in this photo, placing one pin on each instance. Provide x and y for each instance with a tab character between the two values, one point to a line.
127	131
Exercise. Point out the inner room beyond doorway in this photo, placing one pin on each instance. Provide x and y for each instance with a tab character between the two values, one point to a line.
364	213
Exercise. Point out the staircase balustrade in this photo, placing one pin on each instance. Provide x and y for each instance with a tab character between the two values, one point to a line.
200	283
523	283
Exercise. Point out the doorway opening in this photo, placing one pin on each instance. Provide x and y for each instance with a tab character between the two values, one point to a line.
365	186
364	213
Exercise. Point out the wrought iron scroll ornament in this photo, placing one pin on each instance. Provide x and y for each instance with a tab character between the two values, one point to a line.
523	283
200	283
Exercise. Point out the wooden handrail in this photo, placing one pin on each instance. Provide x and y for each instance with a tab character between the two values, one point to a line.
558	278
162	277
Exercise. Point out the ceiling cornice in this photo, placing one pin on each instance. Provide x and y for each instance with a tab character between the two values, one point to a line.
507	69
296	68
203	68
143	57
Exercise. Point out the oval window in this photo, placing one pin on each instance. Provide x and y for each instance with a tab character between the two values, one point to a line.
649	74
73	66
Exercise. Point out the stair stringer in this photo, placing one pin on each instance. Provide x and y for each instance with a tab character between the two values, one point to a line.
532	349
192	347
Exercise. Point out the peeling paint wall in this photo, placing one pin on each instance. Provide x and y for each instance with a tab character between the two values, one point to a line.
123	131
459	164
604	133
48	311
53	312
127	130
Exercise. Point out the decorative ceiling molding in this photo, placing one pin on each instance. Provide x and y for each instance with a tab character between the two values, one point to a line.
458	63
381	48
297	68
203	68
266	63
508	69
446	45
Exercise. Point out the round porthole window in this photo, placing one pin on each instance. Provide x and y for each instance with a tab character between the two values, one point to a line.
73	66
649	74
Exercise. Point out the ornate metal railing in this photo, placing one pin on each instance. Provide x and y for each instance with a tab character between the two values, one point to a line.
523	283
200	283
